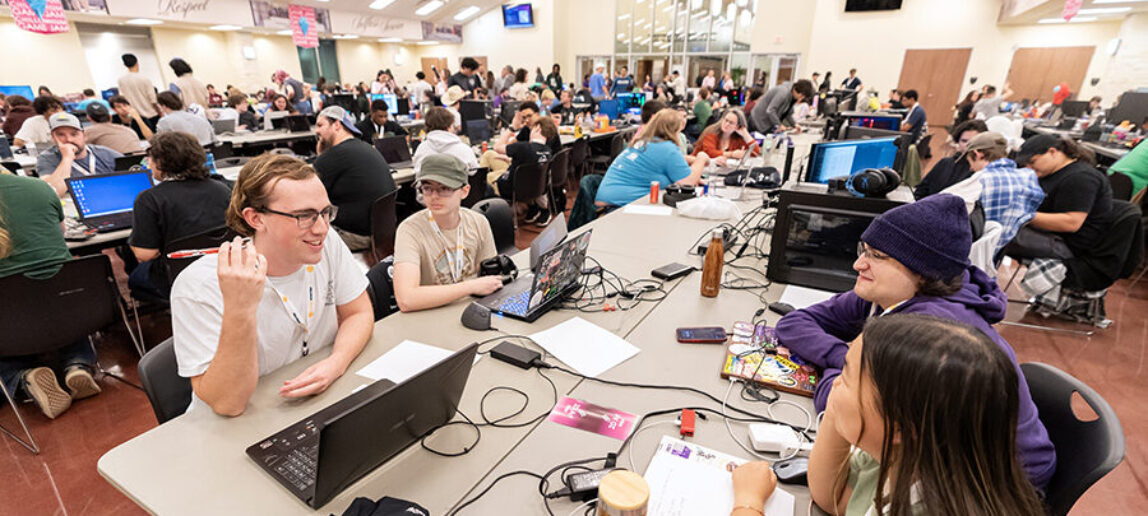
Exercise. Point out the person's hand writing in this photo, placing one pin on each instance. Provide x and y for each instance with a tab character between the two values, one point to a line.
753	482
241	272
314	380
485	285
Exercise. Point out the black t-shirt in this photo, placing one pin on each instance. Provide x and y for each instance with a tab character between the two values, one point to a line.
135	126
464	82
173	210
247	120
525	152
355	175
369	134
947	172
1079	188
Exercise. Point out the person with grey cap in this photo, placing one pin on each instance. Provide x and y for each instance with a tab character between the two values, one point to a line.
354	173
438	250
102	131
72	156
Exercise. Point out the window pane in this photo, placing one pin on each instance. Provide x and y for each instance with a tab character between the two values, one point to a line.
643	26
309	64
699	25
329	60
683	16
663	25
625	11
743	28
721	32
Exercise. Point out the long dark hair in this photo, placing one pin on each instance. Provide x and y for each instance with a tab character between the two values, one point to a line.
1074	150
950	395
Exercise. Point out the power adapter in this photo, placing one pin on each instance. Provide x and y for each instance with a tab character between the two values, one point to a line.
772	438
584	486
514	354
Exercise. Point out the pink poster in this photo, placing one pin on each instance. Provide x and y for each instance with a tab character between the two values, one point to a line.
41	16
586	416
304	30
1071	9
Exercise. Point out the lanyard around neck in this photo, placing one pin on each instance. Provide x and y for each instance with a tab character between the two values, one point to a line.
453	261
91	165
301	321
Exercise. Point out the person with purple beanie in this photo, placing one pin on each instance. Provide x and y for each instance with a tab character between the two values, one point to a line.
914	259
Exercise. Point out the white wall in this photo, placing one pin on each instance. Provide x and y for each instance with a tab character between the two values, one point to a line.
1128	69
784	26
360	59
206	51
54	60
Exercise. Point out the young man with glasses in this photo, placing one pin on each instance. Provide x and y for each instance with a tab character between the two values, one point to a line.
915	259
438	250
291	288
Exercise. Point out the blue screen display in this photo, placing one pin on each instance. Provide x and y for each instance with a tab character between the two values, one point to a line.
23	91
390	98
517	16
835	159
608	108
105	195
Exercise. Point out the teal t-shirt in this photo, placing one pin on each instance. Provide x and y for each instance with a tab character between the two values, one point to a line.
629	176
31	213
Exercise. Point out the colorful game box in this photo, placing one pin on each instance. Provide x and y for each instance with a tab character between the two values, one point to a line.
753	354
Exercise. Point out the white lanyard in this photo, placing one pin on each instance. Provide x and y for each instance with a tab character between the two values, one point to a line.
379	131
300	321
91	165
455	261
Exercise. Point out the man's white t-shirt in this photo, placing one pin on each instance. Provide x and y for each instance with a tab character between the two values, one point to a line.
36	131
197	309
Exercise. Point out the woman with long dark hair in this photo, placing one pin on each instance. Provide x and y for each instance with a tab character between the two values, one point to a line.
965	107
728	138
921	421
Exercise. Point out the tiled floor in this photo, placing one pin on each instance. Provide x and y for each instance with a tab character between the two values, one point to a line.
63	478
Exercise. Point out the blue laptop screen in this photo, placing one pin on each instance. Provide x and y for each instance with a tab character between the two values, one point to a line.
106	195
843	158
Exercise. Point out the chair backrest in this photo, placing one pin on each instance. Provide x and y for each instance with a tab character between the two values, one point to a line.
1085	450
477	182
501	219
560	168
382	292
584	210
210	238
42	315
384	225
530	181
617	145
579	151
924	148
1121	186
168	392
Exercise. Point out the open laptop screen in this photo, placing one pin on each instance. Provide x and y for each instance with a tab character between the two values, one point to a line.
96	196
559	268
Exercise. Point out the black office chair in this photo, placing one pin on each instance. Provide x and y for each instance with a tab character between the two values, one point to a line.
382	292
530	182
202	240
1121	186
602	162
501	218
43	315
579	152
384	225
167	391
1085	450
559	180
477	182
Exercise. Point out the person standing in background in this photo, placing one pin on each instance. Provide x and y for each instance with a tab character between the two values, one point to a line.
554	80
598	83
709	81
852	82
138	89
191	91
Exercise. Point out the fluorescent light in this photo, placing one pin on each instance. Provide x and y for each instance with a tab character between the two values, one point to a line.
466	13
1105	10
142	21
624	17
1083	19
390	40
284	32
225	27
428	7
427	43
379	4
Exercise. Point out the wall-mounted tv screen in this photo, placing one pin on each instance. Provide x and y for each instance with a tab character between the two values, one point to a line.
517	16
872	5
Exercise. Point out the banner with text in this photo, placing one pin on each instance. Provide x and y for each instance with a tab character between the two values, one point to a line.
303	26
39	16
235	12
375	26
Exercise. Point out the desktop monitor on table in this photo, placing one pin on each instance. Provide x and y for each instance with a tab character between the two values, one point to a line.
390	98
403	106
23	91
477	131
470	110
842	158
886	122
1074	108
608	108
343	100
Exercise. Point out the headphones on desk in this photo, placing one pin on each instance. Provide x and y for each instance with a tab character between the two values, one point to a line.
500	265
873	182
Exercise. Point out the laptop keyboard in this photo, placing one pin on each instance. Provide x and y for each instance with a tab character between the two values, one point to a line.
299	465
516	304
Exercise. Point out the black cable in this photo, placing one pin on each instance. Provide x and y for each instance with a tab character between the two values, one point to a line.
491	486
465	449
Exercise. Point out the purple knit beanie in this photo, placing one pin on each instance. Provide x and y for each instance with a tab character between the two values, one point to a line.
931	237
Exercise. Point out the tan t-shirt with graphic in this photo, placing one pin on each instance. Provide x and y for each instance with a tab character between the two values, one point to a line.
416	242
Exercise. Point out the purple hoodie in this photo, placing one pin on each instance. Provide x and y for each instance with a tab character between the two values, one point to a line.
821	334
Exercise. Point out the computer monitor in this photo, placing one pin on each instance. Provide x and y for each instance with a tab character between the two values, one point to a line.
629	101
473	110
23	91
108	194
125	163
608	108
508	109
298	123
842	158
344	100
886	122
477	131
1074	108
403	106
1133	107
390	98
815	238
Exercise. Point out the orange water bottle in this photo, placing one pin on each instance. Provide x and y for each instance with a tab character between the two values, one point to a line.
711	269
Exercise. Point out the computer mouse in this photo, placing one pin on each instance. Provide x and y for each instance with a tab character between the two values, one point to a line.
792	471
781	308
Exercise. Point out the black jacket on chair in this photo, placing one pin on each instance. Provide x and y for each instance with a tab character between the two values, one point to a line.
1116	256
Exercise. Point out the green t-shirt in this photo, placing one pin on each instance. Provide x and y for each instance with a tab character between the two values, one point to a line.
1134	165
703	110
863	473
31	213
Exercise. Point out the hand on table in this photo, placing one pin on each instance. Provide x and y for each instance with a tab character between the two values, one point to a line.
753	483
314	380
485	285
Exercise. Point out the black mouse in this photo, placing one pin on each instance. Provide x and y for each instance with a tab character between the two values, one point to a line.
792	471
781	308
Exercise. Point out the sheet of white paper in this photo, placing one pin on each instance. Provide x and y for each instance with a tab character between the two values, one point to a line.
689	480
648	209
404	361
801	297
584	346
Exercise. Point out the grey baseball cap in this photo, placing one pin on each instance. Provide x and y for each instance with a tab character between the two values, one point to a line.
443	168
63	119
340	114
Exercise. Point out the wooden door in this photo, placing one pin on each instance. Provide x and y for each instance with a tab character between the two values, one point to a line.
937	75
1035	71
438	62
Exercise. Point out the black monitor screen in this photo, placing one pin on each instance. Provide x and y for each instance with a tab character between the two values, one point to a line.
888	123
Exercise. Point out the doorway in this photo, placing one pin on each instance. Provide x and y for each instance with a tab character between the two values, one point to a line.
654	67
430	64
585	69
937	75
1035	71
701	65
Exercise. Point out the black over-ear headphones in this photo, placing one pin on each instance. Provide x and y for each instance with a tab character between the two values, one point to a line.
873	182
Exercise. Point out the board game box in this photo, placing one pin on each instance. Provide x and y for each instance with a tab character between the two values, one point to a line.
753	354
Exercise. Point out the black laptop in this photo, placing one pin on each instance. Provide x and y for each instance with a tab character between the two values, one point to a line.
532	295
105	202
395	150
125	163
320	456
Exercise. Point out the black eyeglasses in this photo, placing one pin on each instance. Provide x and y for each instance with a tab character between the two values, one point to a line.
308	218
863	249
440	191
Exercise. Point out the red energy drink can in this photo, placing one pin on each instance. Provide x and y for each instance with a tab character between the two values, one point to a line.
654	192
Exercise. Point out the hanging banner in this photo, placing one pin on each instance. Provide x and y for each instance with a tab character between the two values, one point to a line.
39	16
234	12
304	30
276	15
1071	9
442	32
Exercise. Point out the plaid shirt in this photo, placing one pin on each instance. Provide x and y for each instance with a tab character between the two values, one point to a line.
1010	196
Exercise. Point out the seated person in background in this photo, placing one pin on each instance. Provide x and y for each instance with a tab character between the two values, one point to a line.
773	110
214	98
91	98
1008	196
495	160
538	145
953	169
1094	109
35	129
277	107
923	413
72	156
438	250
31	239
185	202
19	109
127	116
726	139
239	109
377	125
894	101
174	118
103	132
441	140
564	112
1134	165
702	108
751	99
915	259
653	156
915	122
354	174
289	290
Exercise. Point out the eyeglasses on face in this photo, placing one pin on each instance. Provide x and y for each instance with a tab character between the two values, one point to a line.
308	218
440	190
863	249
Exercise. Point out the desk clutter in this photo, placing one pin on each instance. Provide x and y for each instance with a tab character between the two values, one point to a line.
754	355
